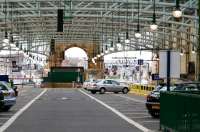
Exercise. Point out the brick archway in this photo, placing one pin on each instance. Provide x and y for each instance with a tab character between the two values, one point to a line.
57	58
75	56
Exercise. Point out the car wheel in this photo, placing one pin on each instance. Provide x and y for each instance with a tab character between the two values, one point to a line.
6	108
93	92
116	92
155	114
125	90
102	90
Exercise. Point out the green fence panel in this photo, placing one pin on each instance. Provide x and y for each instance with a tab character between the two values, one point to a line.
180	111
63	77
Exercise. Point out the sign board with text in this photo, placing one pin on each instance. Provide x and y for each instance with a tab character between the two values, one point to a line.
174	64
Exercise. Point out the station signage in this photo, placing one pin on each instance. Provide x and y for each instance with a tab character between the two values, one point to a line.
140	62
155	77
174	64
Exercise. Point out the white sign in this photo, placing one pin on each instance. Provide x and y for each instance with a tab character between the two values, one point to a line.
174	64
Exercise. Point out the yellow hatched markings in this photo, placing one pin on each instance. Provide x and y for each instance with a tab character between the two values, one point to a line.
142	90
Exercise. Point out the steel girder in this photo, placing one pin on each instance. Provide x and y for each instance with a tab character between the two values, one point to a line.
38	18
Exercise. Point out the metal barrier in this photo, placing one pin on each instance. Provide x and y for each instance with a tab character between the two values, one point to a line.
141	89
180	111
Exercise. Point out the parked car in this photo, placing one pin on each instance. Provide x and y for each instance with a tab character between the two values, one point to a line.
86	84
9	97
107	85
14	87
153	99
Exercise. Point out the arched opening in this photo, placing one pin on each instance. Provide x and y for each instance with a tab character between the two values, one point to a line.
75	57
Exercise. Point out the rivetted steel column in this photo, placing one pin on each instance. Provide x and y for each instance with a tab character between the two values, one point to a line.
198	47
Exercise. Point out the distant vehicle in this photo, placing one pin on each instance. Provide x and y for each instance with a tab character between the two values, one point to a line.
86	84
153	99
9	97
107	85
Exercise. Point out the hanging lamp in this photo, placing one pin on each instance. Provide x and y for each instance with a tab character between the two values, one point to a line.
154	26
138	34
127	40
177	13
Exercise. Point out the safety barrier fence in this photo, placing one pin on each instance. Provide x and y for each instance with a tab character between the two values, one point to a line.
141	89
180	111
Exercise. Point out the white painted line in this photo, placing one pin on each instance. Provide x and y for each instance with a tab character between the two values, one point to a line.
17	114
129	111
139	126
136	113
4	118
154	121
5	114
141	117
129	98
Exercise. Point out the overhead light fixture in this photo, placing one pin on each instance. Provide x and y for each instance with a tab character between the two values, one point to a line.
102	51
12	45
99	55
102	54
111	46
181	52
119	45
93	60
127	40
106	49
95	57
193	49
138	34
177	13
6	40
118	42
154	26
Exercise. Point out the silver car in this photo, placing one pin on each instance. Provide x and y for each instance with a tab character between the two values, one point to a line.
107	85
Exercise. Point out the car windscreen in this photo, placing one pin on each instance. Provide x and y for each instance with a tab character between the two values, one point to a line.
187	87
165	88
157	88
2	87
96	81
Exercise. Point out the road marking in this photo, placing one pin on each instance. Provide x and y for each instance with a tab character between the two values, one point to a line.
129	98
5	114
136	113
4	118
132	122
154	121
141	117
17	114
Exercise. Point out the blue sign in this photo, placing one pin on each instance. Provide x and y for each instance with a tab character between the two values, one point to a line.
140	62
155	77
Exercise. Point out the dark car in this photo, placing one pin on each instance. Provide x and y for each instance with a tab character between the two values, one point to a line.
153	99
1	100
8	98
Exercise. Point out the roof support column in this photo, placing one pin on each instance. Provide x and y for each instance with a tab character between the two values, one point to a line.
198	47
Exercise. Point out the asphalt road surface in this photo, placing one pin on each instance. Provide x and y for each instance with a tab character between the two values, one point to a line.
61	110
